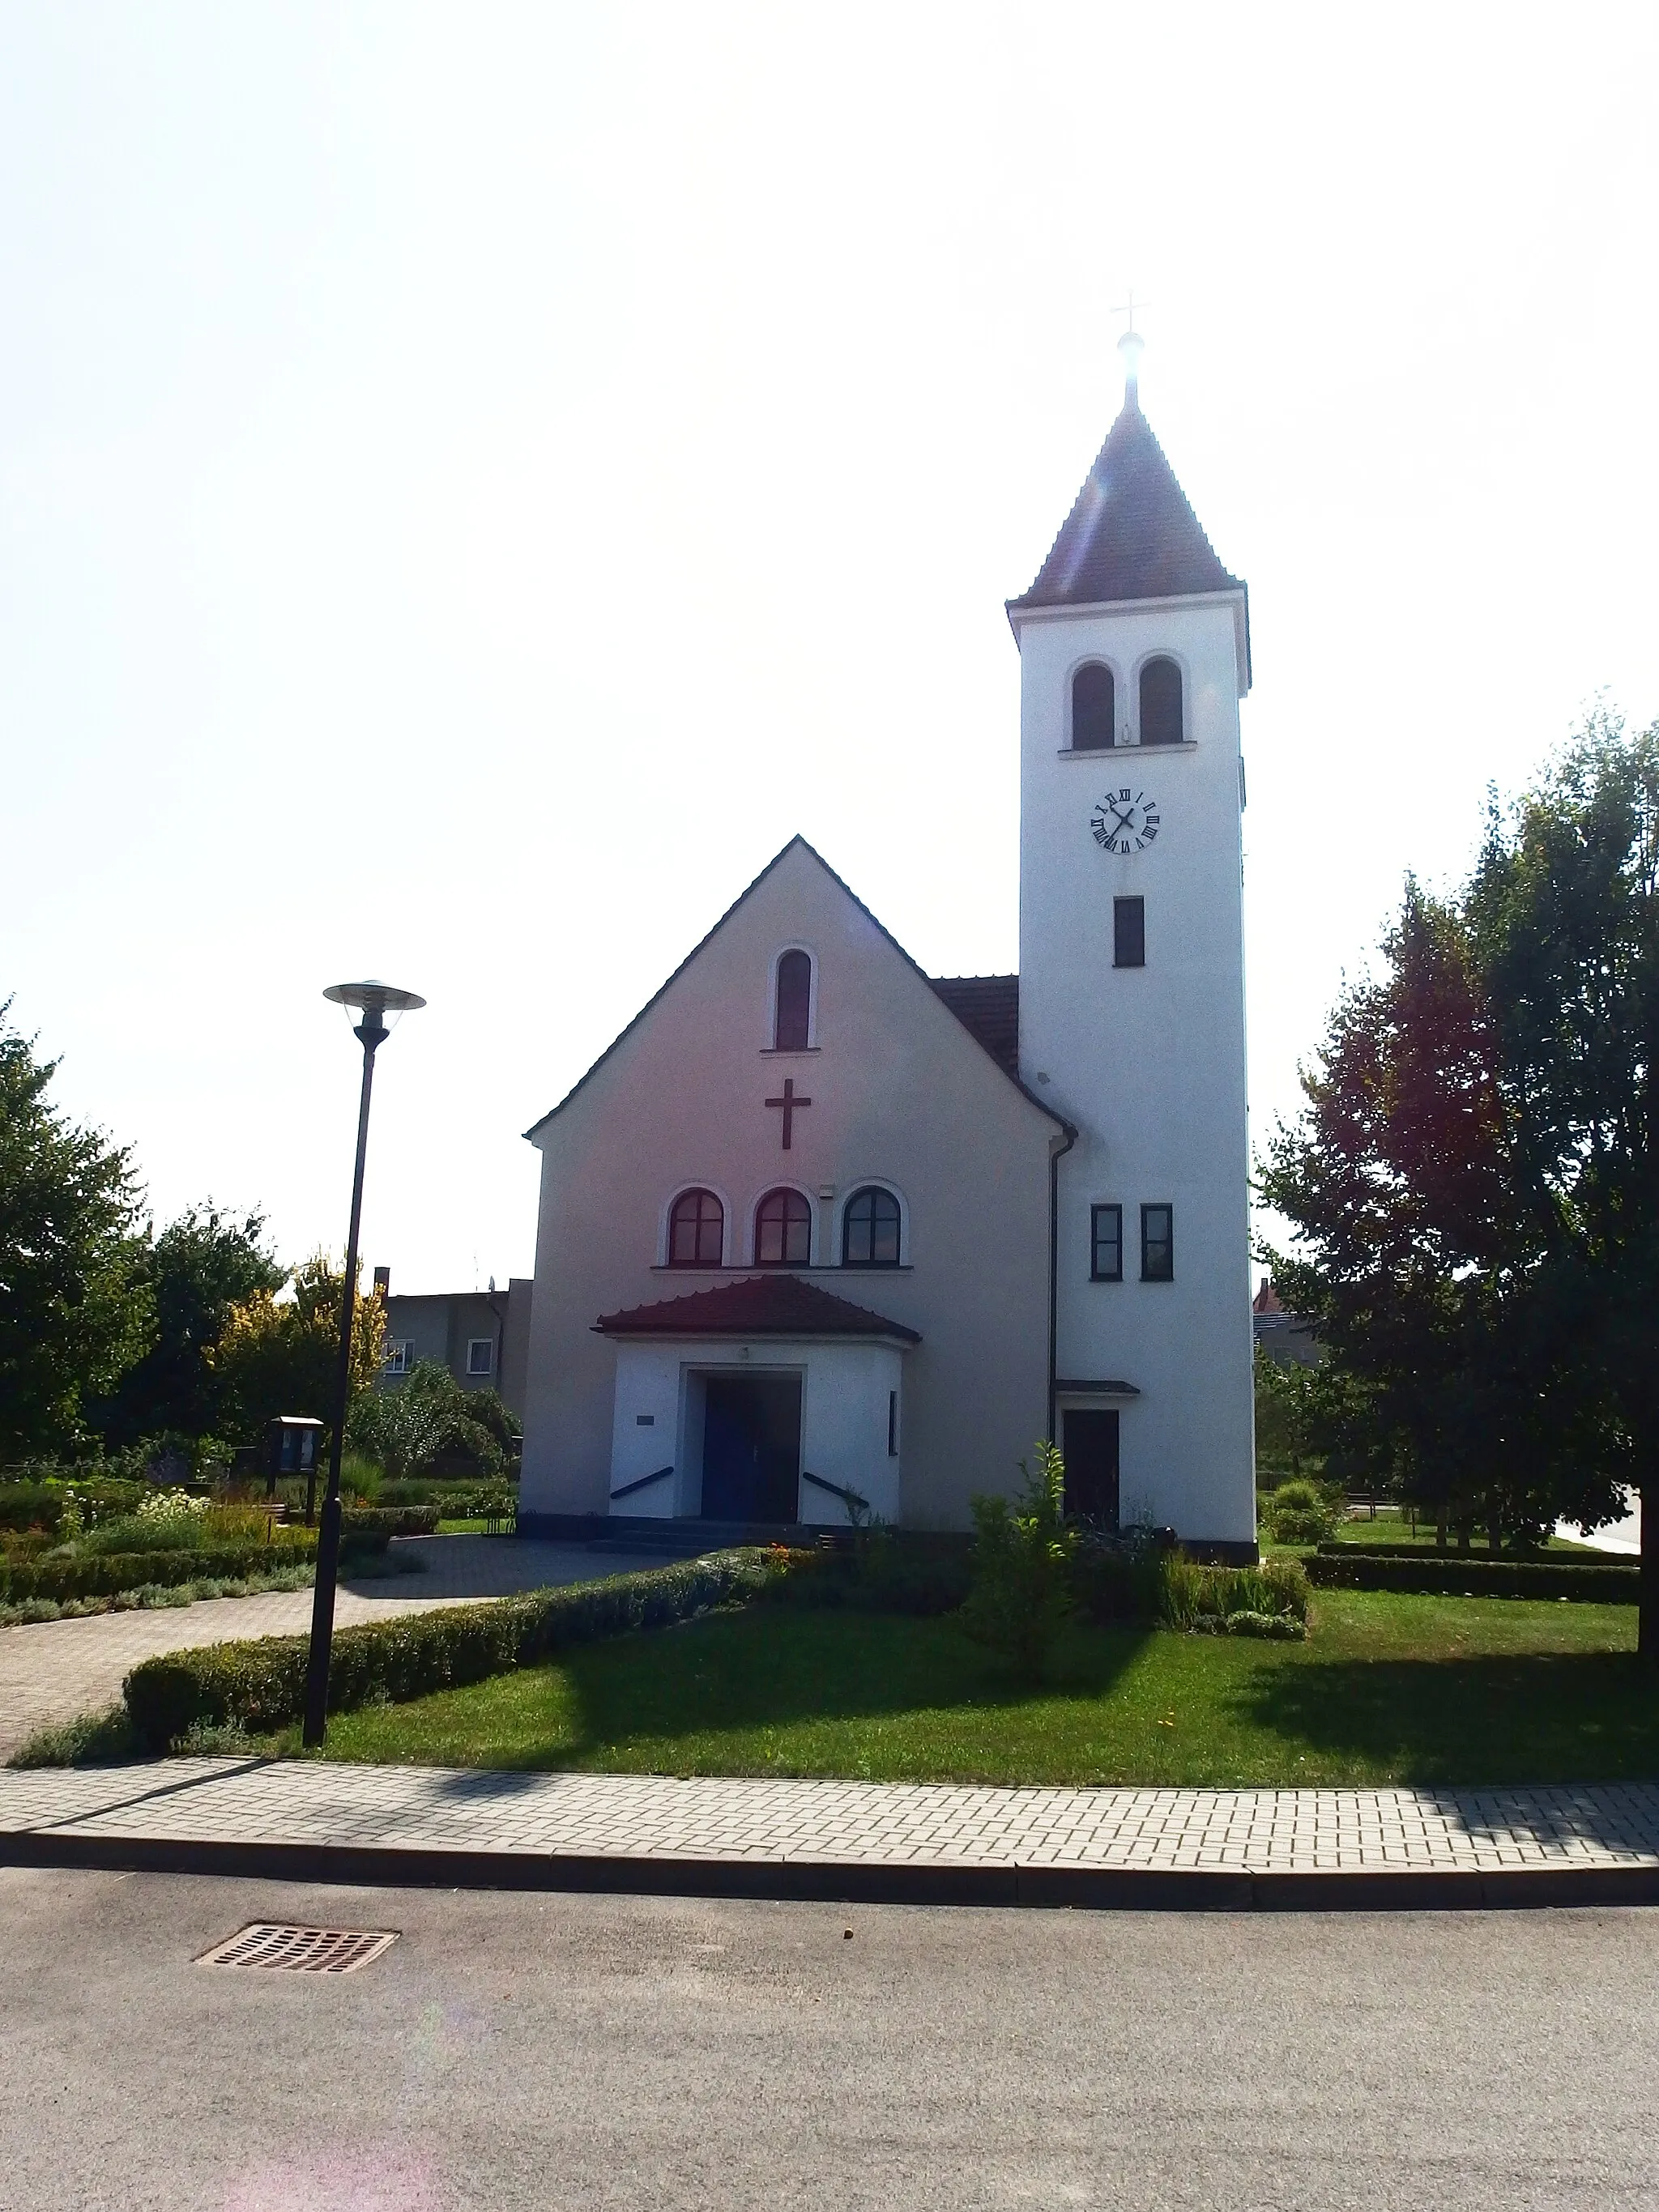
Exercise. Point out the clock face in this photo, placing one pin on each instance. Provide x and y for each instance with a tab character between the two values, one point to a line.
1125	821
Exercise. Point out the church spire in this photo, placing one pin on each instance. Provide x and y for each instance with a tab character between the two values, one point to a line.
1132	533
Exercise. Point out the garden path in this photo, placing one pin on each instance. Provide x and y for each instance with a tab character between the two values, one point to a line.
55	1670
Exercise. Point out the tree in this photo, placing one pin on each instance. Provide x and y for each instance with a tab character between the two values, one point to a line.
74	1312
278	1355
1423	1237
1564	909
429	1416
199	1267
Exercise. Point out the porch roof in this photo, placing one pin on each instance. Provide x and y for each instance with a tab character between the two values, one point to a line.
759	1305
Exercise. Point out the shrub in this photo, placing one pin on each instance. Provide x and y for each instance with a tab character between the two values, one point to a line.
1300	1513
1132	1581
260	1686
1457	1574
41	1503
1021	1593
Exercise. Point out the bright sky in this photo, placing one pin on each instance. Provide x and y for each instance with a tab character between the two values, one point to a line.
475	480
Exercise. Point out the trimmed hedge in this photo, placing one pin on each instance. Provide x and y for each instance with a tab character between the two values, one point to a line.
1459	1574
103	1574
1413	1549
388	1520
261	1685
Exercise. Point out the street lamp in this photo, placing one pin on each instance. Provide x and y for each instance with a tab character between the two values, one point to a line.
372	1002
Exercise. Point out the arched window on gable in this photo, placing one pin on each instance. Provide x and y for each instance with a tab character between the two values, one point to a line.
792	1013
1161	720
1094	709
870	1229
783	1231
696	1230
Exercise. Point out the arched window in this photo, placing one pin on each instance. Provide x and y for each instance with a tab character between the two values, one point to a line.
696	1230
1094	709
1160	703
792	1012
783	1231
870	1229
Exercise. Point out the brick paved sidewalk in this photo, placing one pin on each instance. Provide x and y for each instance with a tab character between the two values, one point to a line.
56	1670
938	1842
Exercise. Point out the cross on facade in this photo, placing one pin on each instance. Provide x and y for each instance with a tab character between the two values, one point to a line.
791	1106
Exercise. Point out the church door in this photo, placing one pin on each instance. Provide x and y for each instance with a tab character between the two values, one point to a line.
751	1448
1089	1442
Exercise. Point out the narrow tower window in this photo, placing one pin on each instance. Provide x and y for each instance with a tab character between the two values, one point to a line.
783	1231
1094	709
696	1230
1129	933
1161	720
1106	1244
1157	1243
792	1012
870	1229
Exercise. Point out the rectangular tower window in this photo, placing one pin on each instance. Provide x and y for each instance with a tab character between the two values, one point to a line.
1129	933
1106	1244
1157	1243
892	1425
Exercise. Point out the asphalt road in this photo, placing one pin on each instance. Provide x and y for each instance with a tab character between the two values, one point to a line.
553	2052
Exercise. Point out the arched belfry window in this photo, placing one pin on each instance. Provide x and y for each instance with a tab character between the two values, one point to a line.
1094	709
792	1009
870	1229
783	1231
696	1230
1161	722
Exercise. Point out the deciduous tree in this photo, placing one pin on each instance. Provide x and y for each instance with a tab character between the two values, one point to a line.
74	1312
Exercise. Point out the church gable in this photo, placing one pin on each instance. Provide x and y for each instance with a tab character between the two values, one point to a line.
778	1011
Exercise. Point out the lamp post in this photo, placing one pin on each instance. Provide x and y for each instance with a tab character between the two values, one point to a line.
372	1002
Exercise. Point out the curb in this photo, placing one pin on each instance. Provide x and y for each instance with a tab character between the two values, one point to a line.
1138	1889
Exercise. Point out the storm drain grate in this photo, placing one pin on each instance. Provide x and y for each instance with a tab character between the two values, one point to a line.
300	1950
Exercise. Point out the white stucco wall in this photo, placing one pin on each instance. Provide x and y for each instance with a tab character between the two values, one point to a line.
901	1094
1148	1062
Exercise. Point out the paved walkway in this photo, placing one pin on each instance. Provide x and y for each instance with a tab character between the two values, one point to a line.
56	1670
758	1836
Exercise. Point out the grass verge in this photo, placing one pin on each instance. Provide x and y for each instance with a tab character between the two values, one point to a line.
1391	1689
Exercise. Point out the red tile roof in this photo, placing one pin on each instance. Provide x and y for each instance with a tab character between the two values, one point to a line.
988	1008
1131	534
759	1305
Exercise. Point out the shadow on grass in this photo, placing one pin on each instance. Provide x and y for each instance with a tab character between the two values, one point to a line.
771	1670
1559	1716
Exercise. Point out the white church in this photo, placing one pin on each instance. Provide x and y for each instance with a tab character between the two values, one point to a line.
823	1239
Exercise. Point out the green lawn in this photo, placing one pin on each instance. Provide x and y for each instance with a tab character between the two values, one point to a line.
1387	1689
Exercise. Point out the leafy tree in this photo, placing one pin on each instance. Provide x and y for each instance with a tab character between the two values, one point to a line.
429	1417
1423	1237
1022	1593
198	1269
1564	909
278	1355
74	1313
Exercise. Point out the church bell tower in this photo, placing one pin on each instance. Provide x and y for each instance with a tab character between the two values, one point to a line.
1134	656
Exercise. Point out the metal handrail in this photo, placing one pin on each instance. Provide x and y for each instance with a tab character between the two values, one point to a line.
643	1482
849	1498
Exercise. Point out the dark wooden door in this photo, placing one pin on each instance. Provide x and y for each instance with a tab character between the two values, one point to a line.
1089	1442
751	1448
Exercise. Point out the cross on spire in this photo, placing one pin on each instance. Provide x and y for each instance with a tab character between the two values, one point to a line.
1131	345
791	1106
